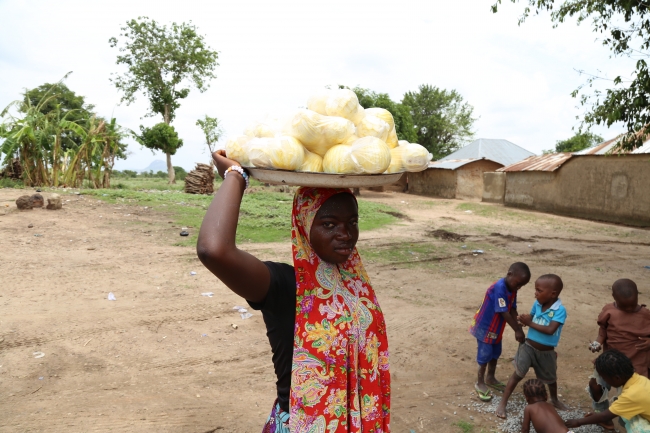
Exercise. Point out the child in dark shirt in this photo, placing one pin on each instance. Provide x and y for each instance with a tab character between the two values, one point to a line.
538	411
498	308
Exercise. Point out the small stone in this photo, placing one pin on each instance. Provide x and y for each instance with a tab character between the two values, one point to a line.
234	326
30	226
185	233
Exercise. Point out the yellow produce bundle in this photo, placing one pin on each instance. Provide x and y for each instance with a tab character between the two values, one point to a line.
237	149
319	133
344	103
367	155
383	114
267	128
408	157
312	163
392	141
373	126
283	153
318	101
415	157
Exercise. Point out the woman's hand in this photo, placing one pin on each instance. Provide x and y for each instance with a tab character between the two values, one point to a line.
222	162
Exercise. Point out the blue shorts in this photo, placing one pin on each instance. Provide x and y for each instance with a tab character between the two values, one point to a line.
487	352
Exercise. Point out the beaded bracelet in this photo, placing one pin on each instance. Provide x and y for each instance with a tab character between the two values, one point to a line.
239	170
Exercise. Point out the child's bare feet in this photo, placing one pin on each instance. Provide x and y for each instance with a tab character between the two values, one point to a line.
559	405
501	411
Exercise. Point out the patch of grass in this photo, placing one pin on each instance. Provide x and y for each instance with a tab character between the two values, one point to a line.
501	212
265	216
464	426
10	183
404	252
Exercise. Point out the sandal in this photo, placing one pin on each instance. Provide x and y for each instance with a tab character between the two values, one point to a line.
497	386
483	395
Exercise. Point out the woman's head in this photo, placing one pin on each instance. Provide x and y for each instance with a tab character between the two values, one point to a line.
335	229
328	219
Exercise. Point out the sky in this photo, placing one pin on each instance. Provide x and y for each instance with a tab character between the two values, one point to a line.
274	55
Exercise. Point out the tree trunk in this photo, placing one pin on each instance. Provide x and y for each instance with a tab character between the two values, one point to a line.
170	167
170	170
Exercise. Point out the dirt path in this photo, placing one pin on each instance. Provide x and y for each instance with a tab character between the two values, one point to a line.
164	358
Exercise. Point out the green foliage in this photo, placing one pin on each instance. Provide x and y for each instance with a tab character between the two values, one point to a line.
58	97
580	141
10	183
443	121
264	216
625	26
464	426
160	137
161	63
401	114
180	172
54	149
211	130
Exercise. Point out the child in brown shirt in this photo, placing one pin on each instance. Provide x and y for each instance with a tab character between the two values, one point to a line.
624	326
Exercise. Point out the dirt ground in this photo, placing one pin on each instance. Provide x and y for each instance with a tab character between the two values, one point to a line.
164	358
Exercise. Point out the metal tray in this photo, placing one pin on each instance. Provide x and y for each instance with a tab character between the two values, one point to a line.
323	180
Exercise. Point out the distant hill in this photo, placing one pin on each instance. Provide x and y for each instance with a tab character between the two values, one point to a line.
156	166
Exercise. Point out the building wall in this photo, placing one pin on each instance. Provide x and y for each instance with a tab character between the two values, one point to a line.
598	187
433	181
494	187
469	179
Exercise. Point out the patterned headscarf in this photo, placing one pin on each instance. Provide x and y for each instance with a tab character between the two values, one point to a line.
339	375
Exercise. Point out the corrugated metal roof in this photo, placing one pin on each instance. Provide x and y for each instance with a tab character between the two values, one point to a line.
452	164
608	146
498	150
550	162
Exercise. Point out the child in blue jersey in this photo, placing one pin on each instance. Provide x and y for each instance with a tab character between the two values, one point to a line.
498	308
545	323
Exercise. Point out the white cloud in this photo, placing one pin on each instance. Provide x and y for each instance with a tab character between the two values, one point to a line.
274	54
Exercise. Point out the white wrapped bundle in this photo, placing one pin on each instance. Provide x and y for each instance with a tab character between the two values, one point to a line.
319	133
392	141
402	143
396	163
318	101
383	114
344	103
415	157
339	160
312	163
368	155
237	149
260	130
373	126
283	153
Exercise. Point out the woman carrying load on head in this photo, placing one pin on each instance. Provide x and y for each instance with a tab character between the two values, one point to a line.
323	321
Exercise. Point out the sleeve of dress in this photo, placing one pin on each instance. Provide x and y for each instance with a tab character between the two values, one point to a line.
603	322
282	289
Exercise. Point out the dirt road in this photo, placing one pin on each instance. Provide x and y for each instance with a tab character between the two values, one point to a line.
164	358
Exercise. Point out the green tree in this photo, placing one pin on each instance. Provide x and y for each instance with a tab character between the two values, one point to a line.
160	137
401	113
580	141
59	98
625	26
443	120
180	172
162	63
211	130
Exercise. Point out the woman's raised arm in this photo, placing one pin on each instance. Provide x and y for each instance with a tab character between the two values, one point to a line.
243	273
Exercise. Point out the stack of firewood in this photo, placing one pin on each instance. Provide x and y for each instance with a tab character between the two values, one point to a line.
13	170
200	180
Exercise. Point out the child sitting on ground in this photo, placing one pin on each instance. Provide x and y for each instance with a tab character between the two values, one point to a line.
498	308
624	326
545	321
538	411
632	406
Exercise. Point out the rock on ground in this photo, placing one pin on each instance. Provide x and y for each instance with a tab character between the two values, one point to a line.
54	202
24	202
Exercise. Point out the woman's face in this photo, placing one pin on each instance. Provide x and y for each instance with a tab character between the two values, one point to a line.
335	229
